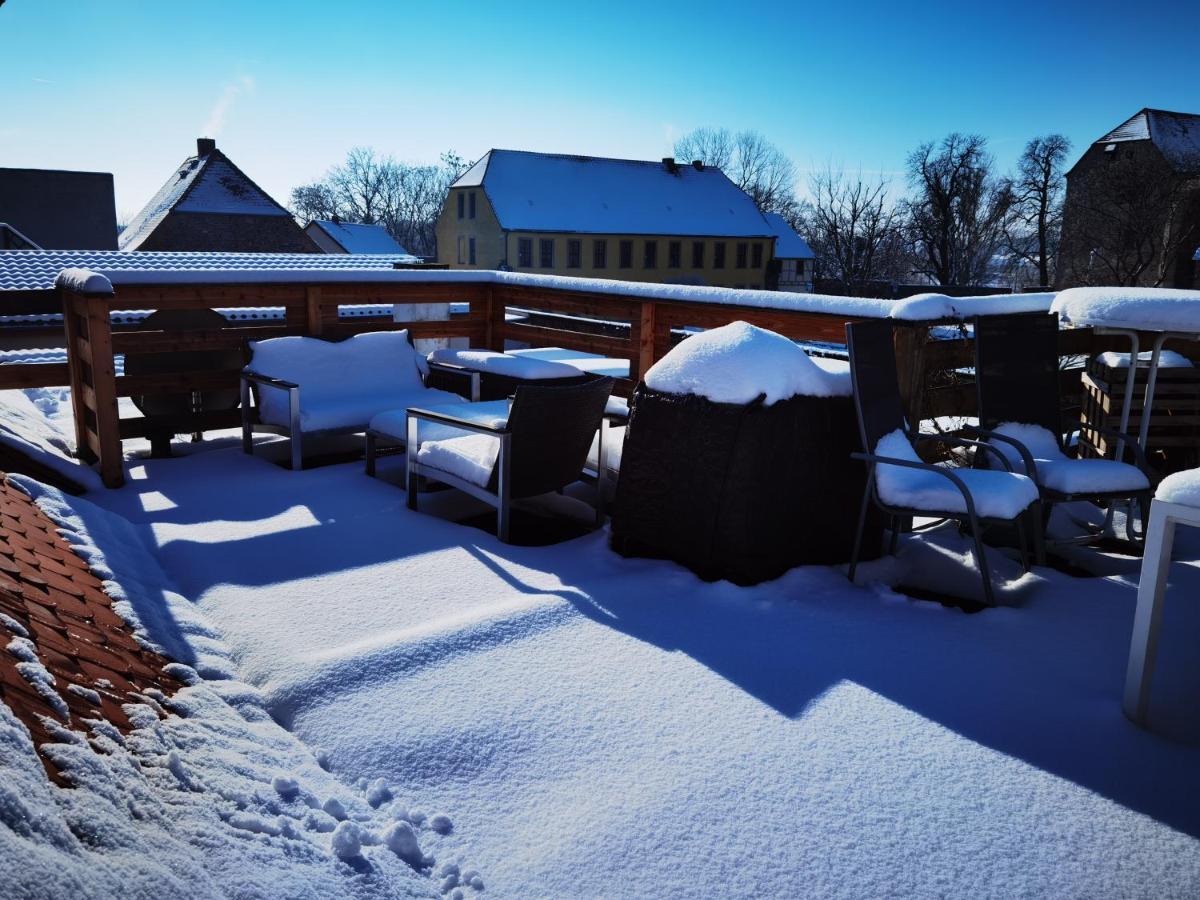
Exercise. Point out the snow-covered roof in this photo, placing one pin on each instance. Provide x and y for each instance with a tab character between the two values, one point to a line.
788	244
585	194
1177	135
208	183
30	270
358	238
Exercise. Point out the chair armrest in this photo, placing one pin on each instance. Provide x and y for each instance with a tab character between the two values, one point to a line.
1026	456
1130	443
928	467
962	442
268	381
429	415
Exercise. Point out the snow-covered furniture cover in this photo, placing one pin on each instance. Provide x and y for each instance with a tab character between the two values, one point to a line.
495	375
306	385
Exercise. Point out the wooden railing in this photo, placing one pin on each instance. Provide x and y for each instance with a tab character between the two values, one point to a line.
929	369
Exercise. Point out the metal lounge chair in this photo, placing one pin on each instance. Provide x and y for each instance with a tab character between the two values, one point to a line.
1017	377
542	447
881	415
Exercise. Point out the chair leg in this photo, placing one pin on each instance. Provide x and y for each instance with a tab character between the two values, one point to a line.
297	452
247	429
894	534
858	533
411	446
981	560
1022	542
1143	647
504	492
370	453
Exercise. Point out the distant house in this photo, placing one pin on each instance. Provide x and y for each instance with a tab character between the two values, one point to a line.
666	222
1132	209
794	259
334	236
208	203
58	210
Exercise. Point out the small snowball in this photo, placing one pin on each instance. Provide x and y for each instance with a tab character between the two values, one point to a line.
402	840
335	808
415	816
287	788
457	895
448	883
378	793
347	840
450	868
322	756
476	883
441	824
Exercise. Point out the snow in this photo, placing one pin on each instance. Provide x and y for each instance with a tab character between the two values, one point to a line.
471	457
596	726
1167	359
342	384
556	192
514	366
739	362
592	363
932	307
1180	487
1147	309
1060	472
83	281
29	430
1000	495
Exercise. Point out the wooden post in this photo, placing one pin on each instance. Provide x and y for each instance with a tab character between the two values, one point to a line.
910	368
645	347
495	307
72	314
104	385
312	305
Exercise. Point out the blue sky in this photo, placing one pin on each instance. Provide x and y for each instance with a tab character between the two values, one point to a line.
288	88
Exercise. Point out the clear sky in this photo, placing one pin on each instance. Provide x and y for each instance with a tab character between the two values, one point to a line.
288	87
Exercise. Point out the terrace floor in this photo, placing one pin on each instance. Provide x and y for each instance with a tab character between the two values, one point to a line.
597	726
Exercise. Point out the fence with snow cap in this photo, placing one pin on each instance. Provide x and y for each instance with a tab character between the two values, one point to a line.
736	460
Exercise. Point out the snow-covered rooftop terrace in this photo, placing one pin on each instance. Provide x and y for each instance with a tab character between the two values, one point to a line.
595	726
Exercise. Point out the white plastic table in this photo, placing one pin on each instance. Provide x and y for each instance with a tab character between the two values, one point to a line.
1152	589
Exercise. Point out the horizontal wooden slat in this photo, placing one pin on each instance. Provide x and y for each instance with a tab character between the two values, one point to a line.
570	340
591	306
175	342
31	375
176	382
474	331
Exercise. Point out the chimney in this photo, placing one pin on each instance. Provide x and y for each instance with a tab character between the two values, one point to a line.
669	165
205	146
697	165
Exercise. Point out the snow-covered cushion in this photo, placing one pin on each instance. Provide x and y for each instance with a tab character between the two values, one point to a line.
470	457
1059	472
505	364
342	384
997	495
1181	487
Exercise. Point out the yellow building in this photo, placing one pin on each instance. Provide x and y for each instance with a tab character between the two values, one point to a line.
665	222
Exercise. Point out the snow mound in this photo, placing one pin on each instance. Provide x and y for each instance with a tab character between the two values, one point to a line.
739	362
27	429
504	364
1182	487
932	307
1001	495
83	281
1167	359
1150	309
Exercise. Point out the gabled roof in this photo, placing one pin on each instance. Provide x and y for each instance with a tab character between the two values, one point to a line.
1176	135
357	238
556	192
31	270
788	244
206	183
12	239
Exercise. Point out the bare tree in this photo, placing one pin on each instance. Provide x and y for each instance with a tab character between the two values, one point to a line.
405	199
1127	222
852	227
752	162
1035	217
955	218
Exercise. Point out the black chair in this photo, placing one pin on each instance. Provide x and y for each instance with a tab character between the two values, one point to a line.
542	447
1017	376
881	414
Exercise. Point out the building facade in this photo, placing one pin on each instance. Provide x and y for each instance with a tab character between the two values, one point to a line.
661	222
1132	209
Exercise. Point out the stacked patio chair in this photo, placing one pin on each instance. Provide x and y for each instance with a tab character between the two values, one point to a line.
1017	374
905	487
542	447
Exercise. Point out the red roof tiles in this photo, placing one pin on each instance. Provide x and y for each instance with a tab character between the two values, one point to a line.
50	592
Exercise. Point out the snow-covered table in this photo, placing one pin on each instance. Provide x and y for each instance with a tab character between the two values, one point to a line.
1125	311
